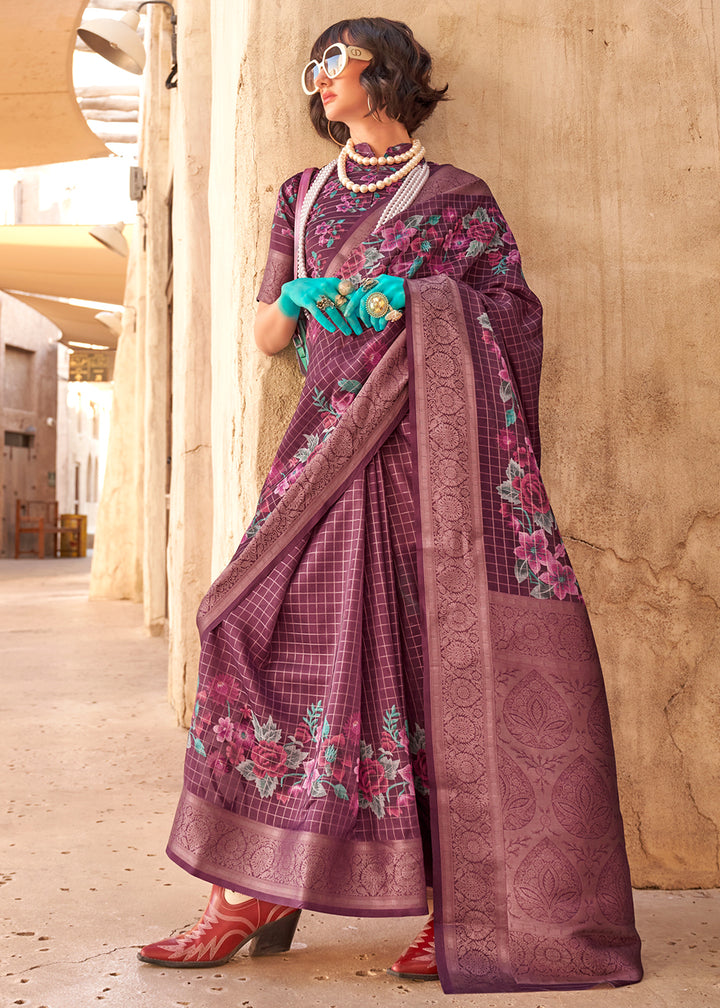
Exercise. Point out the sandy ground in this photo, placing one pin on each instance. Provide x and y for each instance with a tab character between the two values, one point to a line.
92	765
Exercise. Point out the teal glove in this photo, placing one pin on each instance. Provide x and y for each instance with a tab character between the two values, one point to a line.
355	310
305	292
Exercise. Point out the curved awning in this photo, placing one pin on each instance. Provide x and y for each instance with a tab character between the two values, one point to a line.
61	261
40	120
77	323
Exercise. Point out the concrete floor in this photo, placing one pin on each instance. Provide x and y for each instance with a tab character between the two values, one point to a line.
93	765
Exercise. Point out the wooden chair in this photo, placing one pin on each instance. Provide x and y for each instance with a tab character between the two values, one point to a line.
40	519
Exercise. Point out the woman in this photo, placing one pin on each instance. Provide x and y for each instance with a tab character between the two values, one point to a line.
398	681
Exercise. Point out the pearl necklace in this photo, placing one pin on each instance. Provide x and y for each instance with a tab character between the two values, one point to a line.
361	159
412	159
407	193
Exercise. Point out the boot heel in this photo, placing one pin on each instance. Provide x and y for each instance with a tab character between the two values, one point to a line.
274	937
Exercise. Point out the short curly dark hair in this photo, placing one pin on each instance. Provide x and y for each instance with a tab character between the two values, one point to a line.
397	79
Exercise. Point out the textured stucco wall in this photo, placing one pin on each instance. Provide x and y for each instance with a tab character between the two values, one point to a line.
191	491
597	128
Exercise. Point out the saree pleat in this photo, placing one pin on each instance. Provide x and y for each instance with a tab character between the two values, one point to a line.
398	679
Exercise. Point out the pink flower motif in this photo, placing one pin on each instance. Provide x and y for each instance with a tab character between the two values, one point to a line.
234	753
421	768
244	735
533	548
341	400
270	759
224	689
561	579
507	440
396	236
371	779
532	494
303	734
224	729
494	257
351	728
505	509
312	772
478	231
406	773
513	256
388	742
218	764
423	244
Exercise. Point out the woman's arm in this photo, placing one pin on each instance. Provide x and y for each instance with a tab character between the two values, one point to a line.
275	323
273	328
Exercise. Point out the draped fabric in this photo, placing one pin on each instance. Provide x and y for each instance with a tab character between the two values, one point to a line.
398	680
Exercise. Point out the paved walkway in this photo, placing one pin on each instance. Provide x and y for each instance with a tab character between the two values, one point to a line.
93	762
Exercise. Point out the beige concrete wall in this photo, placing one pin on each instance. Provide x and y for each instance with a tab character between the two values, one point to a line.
597	128
117	553
191	491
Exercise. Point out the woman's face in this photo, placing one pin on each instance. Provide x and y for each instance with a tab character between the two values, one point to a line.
344	98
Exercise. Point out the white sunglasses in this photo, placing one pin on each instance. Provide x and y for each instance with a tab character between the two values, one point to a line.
334	60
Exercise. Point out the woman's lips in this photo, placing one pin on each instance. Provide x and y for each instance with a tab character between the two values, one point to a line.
328	96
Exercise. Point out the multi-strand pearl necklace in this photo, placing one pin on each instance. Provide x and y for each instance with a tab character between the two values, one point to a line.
409	160
416	175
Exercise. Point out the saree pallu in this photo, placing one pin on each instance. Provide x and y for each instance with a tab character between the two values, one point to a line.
404	546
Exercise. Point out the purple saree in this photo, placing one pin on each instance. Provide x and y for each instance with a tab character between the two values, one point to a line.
398	680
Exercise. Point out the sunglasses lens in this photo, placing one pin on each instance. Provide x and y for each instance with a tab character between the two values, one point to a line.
310	74
334	61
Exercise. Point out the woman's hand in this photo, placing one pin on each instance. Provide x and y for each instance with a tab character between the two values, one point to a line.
355	311
317	295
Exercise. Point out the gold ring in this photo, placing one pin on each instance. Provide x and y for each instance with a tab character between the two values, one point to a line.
323	302
369	284
393	315
340	300
346	287
377	304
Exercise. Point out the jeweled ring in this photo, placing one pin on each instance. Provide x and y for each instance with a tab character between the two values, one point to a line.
377	304
393	315
340	300
323	302
369	284
346	287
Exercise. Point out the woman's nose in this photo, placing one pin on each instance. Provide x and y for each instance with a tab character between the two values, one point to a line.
322	77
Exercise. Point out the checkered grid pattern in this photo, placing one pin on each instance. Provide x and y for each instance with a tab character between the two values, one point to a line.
337	622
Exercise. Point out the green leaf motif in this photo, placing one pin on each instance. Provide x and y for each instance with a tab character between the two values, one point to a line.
350	385
545	521
510	416
199	747
266	786
340	792
317	790
522	570
247	769
506	392
475	248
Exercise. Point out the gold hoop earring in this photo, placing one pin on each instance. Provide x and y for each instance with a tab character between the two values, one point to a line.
331	136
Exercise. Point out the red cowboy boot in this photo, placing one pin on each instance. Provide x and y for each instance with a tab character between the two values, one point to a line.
418	961
222	931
